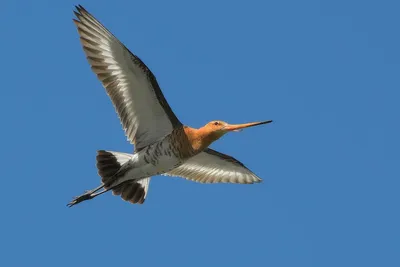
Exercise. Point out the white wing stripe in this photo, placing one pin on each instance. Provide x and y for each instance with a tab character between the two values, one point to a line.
214	167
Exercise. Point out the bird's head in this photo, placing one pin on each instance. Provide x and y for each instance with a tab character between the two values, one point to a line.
212	131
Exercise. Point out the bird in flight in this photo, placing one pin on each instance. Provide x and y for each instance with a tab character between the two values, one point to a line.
163	145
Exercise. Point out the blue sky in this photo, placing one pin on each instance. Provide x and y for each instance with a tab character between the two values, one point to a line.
326	72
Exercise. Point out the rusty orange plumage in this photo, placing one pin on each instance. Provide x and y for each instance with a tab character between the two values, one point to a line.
163	145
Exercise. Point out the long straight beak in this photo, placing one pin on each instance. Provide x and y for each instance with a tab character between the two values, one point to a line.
238	127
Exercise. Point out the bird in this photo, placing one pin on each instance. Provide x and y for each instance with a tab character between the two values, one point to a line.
162	144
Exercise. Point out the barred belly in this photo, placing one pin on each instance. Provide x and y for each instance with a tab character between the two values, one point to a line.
159	157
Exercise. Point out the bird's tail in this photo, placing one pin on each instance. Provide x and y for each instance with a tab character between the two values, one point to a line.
110	166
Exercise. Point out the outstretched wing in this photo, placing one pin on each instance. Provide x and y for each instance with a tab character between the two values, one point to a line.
145	115
211	166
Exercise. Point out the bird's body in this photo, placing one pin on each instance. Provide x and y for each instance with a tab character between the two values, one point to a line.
163	145
158	158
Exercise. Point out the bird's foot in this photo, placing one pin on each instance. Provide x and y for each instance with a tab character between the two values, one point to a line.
76	200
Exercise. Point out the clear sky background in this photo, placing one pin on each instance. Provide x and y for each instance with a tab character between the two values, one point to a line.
326	72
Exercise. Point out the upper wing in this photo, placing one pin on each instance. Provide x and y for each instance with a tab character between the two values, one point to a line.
144	113
211	166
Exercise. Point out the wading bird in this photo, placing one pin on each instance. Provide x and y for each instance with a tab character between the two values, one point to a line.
163	145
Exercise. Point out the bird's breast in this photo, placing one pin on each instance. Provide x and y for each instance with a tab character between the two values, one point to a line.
174	148
181	144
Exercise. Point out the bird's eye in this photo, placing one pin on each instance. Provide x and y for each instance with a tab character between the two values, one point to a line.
216	122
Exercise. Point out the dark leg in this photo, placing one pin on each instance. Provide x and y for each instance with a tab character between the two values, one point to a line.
88	195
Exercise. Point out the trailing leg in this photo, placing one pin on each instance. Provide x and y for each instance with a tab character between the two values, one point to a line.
87	195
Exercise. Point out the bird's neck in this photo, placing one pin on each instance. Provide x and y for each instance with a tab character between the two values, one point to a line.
200	138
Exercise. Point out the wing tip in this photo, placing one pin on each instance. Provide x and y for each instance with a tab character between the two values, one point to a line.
80	11
80	8
259	180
